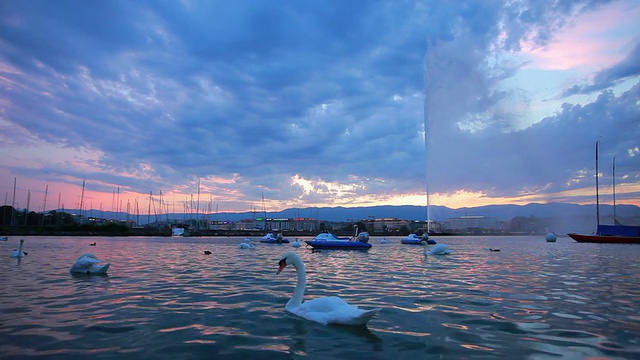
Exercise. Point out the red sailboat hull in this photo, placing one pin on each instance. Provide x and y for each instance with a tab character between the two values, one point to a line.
605	239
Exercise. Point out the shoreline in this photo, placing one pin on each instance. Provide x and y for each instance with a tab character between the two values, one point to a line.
166	232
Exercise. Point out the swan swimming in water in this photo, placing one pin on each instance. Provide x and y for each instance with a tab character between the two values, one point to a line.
425	246
438	249
18	253
325	310
383	241
295	243
246	245
88	264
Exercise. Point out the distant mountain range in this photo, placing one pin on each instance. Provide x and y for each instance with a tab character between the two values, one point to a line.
442	213
411	212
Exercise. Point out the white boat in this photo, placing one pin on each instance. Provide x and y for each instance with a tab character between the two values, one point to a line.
273	239
414	239
327	236
327	240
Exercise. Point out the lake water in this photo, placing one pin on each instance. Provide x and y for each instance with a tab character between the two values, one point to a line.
164	299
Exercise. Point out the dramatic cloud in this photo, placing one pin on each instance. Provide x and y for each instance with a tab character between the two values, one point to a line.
311	103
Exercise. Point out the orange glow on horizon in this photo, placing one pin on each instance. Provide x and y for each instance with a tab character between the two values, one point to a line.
31	193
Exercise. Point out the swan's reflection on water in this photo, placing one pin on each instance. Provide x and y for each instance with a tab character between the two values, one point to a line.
312	338
84	283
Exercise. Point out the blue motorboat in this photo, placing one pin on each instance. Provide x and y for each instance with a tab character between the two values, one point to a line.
327	240
270	238
414	239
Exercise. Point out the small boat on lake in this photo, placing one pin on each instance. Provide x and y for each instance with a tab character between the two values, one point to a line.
606	234
329	241
177	231
270	238
610	234
414	239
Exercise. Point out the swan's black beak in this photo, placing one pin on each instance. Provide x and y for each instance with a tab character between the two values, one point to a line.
281	264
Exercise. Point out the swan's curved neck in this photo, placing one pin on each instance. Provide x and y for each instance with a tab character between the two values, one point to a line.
20	247
298	293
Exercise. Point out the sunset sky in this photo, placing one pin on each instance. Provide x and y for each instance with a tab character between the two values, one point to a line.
317	103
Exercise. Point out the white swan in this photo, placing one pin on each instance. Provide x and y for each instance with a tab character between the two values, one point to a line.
425	246
245	245
88	264
326	310
247	240
295	243
18	253
383	241
439	249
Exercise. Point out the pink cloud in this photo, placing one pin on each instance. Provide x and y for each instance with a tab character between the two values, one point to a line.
596	40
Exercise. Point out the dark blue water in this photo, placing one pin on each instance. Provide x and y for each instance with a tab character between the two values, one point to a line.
164	299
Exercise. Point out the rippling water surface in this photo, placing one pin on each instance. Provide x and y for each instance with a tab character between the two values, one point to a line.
164	299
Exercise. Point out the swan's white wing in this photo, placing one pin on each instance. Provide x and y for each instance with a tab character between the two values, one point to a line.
442	252
88	255
84	263
361	319
99	269
88	265
333	310
440	249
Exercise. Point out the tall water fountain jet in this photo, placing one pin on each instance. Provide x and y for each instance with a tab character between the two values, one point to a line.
445	102
463	118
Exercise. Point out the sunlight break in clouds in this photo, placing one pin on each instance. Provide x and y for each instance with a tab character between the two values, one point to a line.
334	189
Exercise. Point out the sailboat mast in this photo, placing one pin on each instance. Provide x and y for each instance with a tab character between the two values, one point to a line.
264	213
82	199
26	211
128	211
597	193
198	207
149	209
13	203
153	204
614	191
44	206
59	213
118	205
